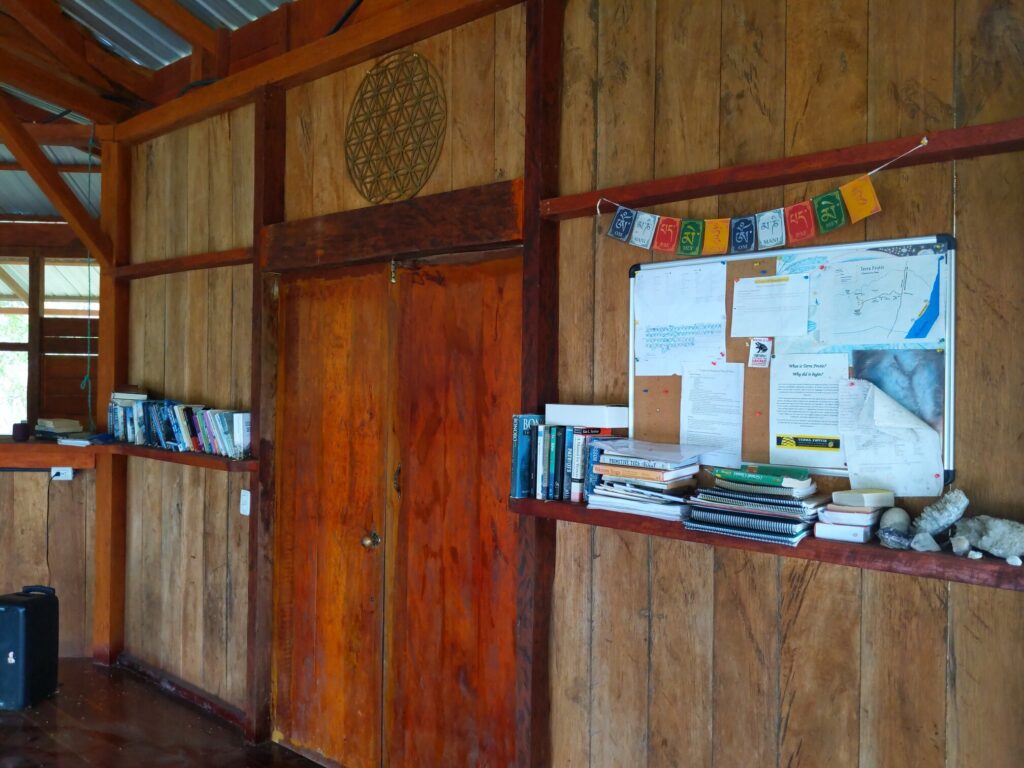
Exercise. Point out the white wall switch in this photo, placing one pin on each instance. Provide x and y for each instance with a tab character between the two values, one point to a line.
244	500
61	473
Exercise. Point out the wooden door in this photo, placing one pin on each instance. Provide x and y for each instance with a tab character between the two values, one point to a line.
450	640
332	438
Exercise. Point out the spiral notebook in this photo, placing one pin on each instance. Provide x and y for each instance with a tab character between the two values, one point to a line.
722	494
750	522
745	533
752	508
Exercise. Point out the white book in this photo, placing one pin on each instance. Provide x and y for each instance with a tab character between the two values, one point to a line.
541	462
572	415
856	534
242	432
848	518
864	497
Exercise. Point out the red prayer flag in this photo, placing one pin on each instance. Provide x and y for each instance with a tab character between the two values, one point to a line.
799	221
667	234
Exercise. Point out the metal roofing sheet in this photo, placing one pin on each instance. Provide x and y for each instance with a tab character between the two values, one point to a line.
60	281
19	194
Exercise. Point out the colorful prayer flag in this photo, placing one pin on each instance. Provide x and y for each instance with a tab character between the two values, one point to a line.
771	229
622	223
860	198
691	237
829	210
741	234
643	229
716	237
799	221
666	235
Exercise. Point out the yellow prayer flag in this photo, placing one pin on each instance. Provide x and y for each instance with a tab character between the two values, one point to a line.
860	198
716	237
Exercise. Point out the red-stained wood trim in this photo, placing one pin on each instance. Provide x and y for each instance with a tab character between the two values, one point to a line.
952	144
42	455
182	23
988	572
189	458
110	528
12	346
61	134
28	153
477	218
536	536
268	208
35	336
55	89
356	42
36	235
229	258
60	167
184	691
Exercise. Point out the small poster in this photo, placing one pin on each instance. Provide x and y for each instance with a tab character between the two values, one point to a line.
760	352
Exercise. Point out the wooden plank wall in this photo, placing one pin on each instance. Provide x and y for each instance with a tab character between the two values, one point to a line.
668	653
483	69
46	533
190	340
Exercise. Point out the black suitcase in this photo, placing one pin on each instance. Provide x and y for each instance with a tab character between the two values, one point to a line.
29	639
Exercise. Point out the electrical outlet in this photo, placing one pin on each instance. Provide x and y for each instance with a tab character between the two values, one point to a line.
61	473
244	500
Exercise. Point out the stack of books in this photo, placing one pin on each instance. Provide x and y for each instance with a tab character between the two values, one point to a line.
853	515
54	429
549	452
762	503
641	478
134	418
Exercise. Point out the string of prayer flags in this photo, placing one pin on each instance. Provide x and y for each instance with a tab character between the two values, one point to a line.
851	202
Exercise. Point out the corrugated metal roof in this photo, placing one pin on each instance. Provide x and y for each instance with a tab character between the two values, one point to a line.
59	281
19	194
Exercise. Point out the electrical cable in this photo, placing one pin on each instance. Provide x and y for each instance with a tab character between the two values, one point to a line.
344	17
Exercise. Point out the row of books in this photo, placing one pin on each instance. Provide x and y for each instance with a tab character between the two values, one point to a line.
642	478
134	418
550	453
853	515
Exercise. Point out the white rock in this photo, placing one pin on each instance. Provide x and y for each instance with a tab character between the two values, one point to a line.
974	555
961	545
943	513
1002	538
924	542
1013	560
895	518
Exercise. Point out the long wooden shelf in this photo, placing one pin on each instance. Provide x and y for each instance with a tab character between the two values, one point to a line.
36	454
205	460
987	572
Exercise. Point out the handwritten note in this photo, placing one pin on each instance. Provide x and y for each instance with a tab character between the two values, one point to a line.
679	317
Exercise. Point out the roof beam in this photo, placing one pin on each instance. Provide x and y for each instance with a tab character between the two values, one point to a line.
31	157
209	45
57	90
359	41
46	23
62	134
36	235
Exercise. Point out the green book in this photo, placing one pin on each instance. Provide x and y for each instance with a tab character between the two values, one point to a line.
765	474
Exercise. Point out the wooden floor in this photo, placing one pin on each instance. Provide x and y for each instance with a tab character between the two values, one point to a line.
113	718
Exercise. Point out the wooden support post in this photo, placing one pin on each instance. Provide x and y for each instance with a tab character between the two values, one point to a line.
111	469
268	208
536	556
35	332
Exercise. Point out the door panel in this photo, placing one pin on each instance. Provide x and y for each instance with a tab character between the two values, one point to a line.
450	638
332	438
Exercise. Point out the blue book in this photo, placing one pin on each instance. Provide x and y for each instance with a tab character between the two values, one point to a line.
592	478
522	434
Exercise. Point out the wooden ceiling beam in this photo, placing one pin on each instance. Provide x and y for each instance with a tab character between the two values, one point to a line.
209	46
354	43
36	235
137	80
45	21
61	168
28	153
53	88
62	134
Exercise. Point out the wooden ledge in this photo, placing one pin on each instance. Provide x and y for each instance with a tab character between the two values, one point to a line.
952	144
38	454
230	258
987	572
204	460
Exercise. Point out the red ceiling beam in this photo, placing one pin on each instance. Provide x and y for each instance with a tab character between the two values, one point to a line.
27	152
33	235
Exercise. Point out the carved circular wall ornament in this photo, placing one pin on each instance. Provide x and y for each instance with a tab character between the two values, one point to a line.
396	128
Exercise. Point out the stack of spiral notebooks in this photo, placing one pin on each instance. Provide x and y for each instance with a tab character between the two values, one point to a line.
761	516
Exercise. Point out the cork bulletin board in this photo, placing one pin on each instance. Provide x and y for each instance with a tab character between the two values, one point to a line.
655	400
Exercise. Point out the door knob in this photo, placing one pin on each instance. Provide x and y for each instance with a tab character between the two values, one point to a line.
371	540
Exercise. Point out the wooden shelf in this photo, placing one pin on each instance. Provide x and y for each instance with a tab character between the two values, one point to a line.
36	454
987	572
205	460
